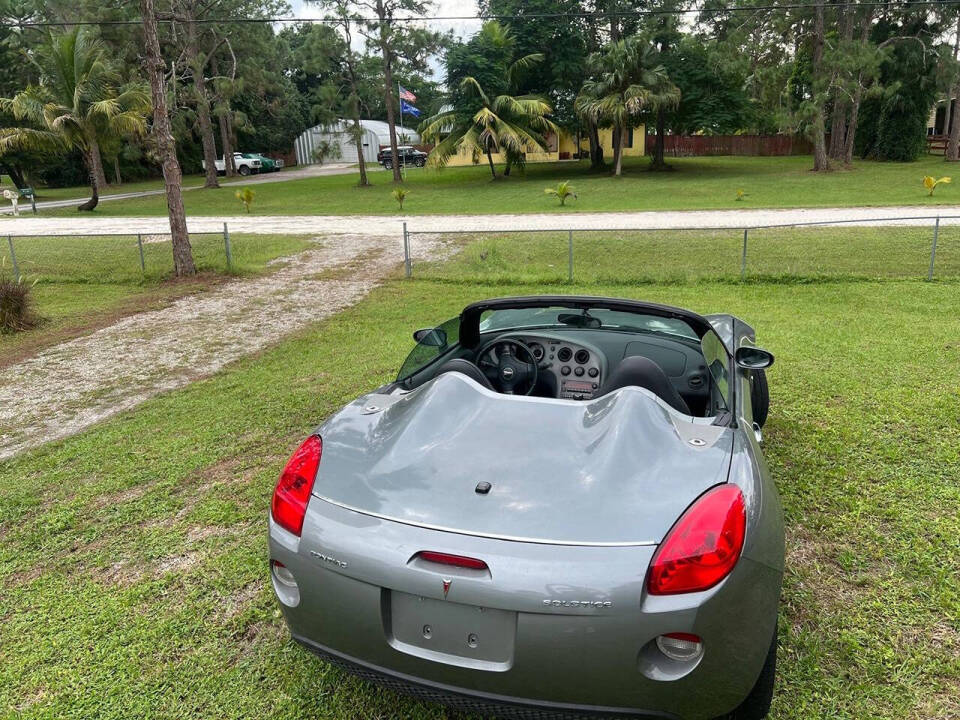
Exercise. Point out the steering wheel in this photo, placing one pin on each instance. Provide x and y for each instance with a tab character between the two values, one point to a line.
509	371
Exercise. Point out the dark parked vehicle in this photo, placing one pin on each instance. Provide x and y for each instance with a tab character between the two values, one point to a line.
409	157
266	164
559	508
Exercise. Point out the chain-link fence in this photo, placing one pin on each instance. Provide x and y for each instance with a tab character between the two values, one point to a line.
920	247
128	258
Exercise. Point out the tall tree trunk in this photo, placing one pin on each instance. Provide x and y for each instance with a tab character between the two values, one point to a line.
658	161
358	141
96	163
838	128
820	161
848	141
226	142
838	119
16	174
202	103
182	252
493	170
206	138
616	139
612	8
388	88
116	170
852	127
361	162
953	144
223	114
596	149
94	194
951	101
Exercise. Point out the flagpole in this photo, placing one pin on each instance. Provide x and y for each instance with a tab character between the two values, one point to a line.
397	159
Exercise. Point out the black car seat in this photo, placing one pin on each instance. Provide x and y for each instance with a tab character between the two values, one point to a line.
643	372
467	368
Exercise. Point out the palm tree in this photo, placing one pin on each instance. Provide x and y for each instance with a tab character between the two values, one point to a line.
485	123
628	82
77	104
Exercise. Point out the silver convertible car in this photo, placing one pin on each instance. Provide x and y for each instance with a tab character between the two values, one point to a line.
559	509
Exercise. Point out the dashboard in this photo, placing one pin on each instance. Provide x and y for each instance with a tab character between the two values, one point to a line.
577	368
575	362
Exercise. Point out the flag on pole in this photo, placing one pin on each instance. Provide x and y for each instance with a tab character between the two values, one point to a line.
408	109
406	94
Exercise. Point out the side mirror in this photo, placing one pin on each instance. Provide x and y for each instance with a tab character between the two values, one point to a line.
753	358
433	337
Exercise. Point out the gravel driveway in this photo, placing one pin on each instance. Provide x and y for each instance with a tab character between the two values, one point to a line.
66	388
391	225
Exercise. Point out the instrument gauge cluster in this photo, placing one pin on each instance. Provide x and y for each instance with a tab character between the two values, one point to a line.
576	368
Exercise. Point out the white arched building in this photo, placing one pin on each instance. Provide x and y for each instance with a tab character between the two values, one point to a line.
376	134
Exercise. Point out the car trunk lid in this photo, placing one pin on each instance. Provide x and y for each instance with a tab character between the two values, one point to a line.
618	470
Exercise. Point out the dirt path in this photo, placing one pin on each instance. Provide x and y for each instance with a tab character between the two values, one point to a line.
392	225
66	388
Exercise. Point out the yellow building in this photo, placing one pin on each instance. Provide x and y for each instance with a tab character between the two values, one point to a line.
635	146
565	148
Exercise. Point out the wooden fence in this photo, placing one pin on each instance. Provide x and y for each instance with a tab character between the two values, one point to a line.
699	145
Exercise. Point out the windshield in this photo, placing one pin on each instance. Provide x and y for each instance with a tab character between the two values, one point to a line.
592	318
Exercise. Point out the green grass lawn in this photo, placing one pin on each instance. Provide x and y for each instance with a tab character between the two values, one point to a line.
194	180
659	256
83	191
694	183
133	556
85	282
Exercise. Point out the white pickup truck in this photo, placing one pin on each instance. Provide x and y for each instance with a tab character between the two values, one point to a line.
244	165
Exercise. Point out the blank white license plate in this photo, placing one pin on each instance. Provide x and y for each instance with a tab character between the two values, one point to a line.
452	633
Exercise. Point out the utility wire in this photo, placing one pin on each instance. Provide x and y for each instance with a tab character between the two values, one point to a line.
525	16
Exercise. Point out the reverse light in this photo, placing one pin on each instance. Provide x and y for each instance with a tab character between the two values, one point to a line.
682	647
703	546
283	575
455	560
292	493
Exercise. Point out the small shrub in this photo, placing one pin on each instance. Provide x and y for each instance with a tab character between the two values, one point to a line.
930	184
326	150
562	191
16	305
399	194
740	194
246	196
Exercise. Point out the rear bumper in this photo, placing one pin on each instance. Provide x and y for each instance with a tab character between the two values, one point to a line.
463	700
562	659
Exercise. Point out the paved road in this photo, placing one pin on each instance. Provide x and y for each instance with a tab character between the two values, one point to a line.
392	225
296	174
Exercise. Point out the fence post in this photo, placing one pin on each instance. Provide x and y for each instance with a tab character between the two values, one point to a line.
933	249
743	256
408	266
143	268
570	255
226	245
13	258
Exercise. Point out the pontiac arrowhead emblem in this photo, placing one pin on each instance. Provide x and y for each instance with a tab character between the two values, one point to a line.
446	587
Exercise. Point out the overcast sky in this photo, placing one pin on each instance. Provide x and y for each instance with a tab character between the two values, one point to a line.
462	28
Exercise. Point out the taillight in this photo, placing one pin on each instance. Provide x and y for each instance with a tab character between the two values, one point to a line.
455	560
292	493
703	546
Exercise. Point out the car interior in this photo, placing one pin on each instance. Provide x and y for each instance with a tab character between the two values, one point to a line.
578	357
